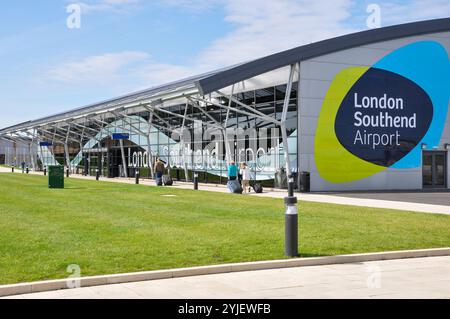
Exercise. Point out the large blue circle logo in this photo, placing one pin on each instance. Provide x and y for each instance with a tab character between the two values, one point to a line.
383	117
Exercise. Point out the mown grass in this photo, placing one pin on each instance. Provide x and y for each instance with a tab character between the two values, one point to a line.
113	228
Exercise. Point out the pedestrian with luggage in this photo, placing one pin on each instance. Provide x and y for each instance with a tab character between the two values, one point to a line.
159	169
233	183
167	179
232	171
245	172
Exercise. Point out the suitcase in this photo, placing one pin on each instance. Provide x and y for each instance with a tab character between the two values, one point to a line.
235	187
257	187
167	180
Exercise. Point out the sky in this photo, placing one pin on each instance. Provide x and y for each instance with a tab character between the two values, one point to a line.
126	45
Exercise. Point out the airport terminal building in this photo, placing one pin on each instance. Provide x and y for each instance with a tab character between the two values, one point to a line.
365	111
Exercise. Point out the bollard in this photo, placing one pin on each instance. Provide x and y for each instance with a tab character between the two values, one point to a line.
97	175
12	169
137	177
291	227
67	173
45	171
291	186
28	170
195	181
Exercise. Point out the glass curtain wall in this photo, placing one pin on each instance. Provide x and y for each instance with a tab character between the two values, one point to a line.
252	140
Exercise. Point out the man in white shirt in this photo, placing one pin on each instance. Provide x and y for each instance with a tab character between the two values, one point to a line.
245	172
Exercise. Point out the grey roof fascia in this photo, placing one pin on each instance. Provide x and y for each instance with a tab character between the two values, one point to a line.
275	61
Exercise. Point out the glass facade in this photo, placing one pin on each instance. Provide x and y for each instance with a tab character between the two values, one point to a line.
194	144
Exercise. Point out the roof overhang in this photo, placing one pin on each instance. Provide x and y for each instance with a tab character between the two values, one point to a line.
252	72
254	68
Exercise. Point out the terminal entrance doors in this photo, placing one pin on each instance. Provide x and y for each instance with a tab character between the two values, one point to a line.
434	169
114	163
95	159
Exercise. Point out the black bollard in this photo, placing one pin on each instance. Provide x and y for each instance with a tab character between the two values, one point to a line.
291	186
67	173
291	227
45	171
195	181
97	175
12	169
28	170
137	177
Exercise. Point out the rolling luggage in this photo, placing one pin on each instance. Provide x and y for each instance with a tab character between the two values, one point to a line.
167	180
257	187
235	187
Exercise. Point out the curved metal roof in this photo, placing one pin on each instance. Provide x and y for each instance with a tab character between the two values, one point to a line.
209	82
248	70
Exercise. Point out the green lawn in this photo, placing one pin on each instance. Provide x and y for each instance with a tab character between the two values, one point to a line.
113	228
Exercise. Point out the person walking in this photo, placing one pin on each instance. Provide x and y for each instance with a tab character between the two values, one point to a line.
245	172
159	169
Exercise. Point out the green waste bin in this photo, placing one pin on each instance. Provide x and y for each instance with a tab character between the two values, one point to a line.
55	177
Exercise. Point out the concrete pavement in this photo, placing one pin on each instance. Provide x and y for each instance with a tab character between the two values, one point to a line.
432	196
340	199
401	278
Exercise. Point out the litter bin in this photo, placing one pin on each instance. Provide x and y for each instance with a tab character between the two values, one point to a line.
55	177
305	182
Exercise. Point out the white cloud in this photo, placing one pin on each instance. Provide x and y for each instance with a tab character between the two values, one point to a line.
192	5
415	10
104	68
118	72
156	73
260	28
91	6
265	27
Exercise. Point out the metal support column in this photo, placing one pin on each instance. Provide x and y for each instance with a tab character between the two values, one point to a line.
183	145
15	153
124	163
66	151
225	133
284	130
149	148
81	152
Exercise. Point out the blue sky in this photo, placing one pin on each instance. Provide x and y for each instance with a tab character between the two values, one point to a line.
127	45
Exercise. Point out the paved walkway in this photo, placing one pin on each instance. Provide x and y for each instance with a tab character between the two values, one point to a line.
355	199
433	197
403	278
